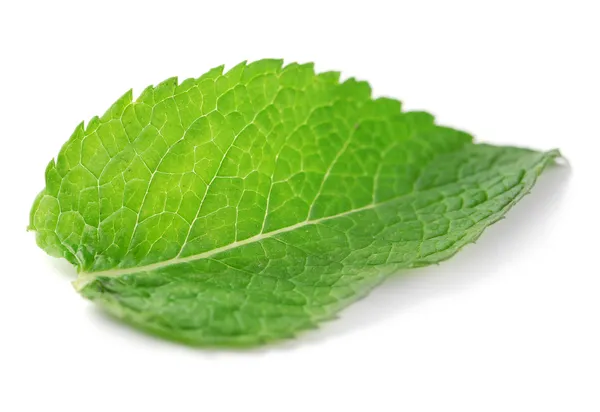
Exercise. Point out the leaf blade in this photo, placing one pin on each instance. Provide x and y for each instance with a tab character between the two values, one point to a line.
243	207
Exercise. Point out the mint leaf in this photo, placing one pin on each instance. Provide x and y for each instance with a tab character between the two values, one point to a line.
243	207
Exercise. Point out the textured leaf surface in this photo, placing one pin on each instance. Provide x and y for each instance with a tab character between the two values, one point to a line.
243	207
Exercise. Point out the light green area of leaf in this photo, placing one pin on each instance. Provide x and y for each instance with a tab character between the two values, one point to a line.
242	207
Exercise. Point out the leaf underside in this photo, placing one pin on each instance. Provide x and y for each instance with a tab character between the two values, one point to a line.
242	207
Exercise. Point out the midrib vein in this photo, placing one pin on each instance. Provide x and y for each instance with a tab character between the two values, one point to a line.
86	278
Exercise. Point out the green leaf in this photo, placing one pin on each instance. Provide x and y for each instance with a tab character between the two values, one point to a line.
242	207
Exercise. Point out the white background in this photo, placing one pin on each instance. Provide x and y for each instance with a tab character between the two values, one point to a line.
510	324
